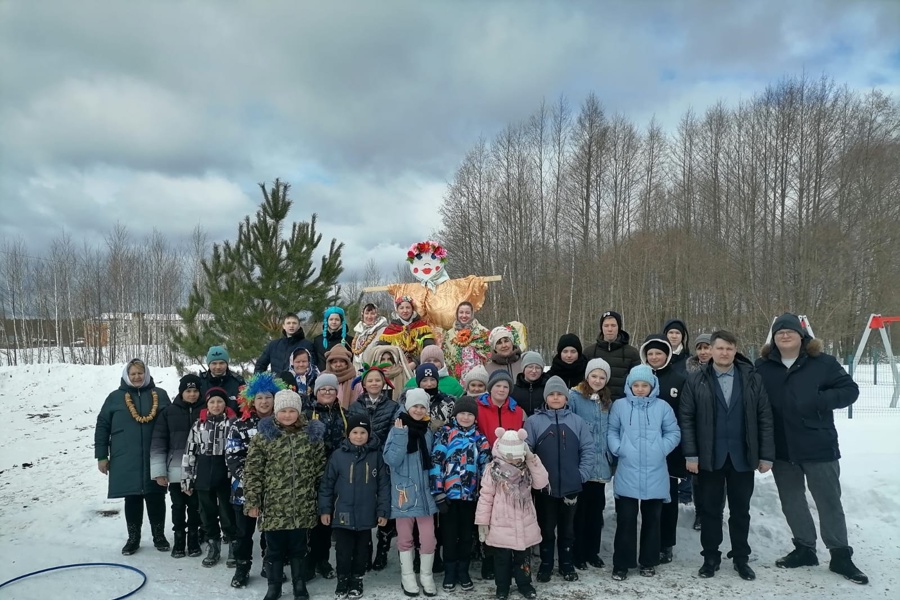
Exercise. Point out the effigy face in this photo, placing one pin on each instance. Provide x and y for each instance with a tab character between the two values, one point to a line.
426	260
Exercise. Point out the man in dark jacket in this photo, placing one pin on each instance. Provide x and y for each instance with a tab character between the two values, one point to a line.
220	376
277	353
657	354
612	345
726	434
805	387
677	335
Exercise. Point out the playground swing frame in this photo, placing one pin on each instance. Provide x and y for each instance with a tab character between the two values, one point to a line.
879	322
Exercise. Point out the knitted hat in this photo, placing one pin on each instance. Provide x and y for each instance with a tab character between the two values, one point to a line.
703	338
568	340
478	373
358	420
288	399
555	384
333	310
675	324
510	443
325	380
498	376
216	353
465	404
641	373
214	392
417	397
339	351
655	341
431	353
788	321
426	369
614	315
598	363
497	334
532	358
189	382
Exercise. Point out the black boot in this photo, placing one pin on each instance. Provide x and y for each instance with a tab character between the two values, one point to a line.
276	571
134	540
157	530
800	556
710	566
213	553
193	543
297	581
342	589
744	570
842	564
241	574
324	568
450	576
665	555
178	545
463	577
381	551
230	562
356	587
696	522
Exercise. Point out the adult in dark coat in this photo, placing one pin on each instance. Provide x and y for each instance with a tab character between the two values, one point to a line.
805	387
277	353
122	441
726	434
334	333
657	354
676	334
613	346
569	363
219	375
529	388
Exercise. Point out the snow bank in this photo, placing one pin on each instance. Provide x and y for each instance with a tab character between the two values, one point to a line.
54	511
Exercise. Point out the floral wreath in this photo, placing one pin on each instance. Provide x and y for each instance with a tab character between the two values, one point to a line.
427	247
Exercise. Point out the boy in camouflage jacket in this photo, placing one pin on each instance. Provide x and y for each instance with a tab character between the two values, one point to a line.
284	465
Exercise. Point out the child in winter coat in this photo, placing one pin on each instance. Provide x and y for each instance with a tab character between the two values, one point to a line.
592	401
497	408
642	431
354	497
564	443
170	432
257	401
203	470
408	454
281	481
458	459
529	388
475	381
447	384
505	515
441	404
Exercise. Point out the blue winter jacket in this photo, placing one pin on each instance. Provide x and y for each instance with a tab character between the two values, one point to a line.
459	457
642	432
564	443
410	489
598	420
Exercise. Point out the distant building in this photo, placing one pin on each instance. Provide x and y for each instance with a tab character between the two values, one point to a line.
135	328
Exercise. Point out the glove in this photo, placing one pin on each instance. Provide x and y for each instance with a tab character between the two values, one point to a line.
529	455
442	505
483	531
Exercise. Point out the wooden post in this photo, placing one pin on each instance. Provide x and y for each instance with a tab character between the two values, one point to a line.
384	288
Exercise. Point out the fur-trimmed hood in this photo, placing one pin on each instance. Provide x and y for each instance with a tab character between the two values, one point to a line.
814	347
270	429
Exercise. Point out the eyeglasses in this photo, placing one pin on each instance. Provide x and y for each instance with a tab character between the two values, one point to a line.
786	332
328	391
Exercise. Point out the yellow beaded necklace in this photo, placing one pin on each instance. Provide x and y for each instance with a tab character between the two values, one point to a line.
134	412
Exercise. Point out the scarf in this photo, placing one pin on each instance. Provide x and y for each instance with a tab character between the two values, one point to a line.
366	335
508	360
404	322
416	440
572	374
344	374
514	480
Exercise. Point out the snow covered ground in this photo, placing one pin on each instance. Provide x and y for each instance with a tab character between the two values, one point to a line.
53	511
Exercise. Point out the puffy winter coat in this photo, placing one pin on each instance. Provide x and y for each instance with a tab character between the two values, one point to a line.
804	399
564	442
530	394
334	419
642	432
236	445
356	488
231	382
334	339
510	513
125	442
381	414
277	353
698	415
282	475
510	364
621	357
410	489
170	434
203	464
459	456
490	416
598	421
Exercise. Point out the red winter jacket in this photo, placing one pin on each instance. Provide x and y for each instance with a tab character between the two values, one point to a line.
490	416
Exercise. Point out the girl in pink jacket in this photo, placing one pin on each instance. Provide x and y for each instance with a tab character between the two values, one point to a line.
505	516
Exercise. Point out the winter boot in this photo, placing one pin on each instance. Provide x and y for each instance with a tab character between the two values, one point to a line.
178	545
297	581
342	589
800	556
134	540
710	566
241	574
842	564
193	543
450	576
743	569
665	555
230	562
408	575
463	577
157	530
426	574
276	571
356	587
324	568
213	553
696	522
381	552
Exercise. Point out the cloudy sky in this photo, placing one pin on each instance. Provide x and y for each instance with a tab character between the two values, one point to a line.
167	114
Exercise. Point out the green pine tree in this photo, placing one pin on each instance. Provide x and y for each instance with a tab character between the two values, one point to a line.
250	284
